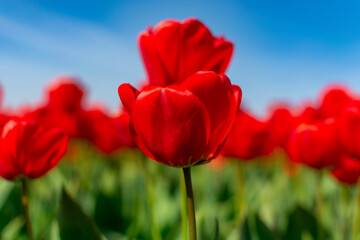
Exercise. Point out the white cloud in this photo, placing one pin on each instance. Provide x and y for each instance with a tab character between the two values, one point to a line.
64	45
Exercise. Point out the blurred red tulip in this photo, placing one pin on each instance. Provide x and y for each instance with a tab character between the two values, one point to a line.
281	124
348	171
3	120
173	51
350	130
248	138
64	107
309	115
315	145
107	133
29	150
123	120
334	100
53	118
65	94
186	124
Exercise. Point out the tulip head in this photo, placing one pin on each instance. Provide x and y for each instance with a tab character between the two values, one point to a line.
186	124
316	145
348	171
350	130
29	150
172	51
334	100
65	94
249	138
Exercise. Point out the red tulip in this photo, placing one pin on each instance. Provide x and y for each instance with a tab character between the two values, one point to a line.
315	145
186	124
310	115
53	118
334	101
350	130
29	150
3	120
63	109
281	124
173	51
65	94
123	120
348	171
248	138
107	133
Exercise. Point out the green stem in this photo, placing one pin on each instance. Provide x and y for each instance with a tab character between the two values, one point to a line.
155	232
25	203
344	213
319	205
357	214
239	203
183	207
190	204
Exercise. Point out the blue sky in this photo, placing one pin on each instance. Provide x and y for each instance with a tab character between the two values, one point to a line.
284	51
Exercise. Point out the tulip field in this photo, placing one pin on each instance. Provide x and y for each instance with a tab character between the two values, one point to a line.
182	158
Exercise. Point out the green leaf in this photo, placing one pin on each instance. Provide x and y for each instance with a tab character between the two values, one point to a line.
245	230
12	207
254	228
74	223
13	228
108	213
216	230
300	220
263	231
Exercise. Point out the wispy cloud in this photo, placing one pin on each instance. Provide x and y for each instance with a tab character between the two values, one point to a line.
47	44
64	45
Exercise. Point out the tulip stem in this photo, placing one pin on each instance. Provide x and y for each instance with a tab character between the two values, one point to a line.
183	207
239	204
25	203
319	205
345	201
357	213
190	204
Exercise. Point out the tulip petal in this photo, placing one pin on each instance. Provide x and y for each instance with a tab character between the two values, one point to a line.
315	145
47	148
12	150
66	93
128	95
167	41
173	125
220	57
221	100
348	170
8	156
350	131
152	61
248	138
172	51
198	45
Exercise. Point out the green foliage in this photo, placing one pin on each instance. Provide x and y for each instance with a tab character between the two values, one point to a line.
255	228
108	196
11	207
74	222
301	221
